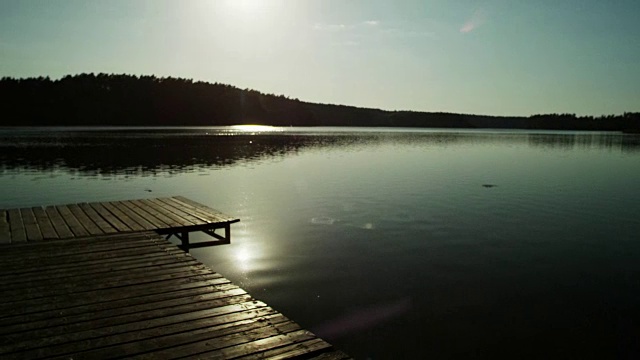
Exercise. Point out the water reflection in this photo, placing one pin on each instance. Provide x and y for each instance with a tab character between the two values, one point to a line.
366	236
568	141
171	151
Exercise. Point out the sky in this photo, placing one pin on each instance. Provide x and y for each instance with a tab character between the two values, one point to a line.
493	57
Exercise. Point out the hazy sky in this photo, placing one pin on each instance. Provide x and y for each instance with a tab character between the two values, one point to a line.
499	57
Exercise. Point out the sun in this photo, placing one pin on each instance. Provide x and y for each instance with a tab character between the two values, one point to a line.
244	11
248	6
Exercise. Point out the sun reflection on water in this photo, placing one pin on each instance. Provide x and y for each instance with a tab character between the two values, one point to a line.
254	128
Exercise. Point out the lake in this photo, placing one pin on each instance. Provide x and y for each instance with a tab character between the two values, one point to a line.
388	243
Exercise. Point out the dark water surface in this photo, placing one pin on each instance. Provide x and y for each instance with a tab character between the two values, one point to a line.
385	242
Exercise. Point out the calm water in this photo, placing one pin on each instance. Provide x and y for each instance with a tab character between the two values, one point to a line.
385	242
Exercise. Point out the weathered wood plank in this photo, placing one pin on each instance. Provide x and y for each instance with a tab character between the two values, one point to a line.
24	293
177	220
80	245
183	217
134	216
196	205
159	224
121	237
198	212
75	274
18	233
6	259
46	227
76	228
5	229
48	337
112	220
224	347
291	351
181	333
85	220
60	302
150	209
58	223
30	225
56	253
102	257
115	304
11	266
158	211
107	316
123	217
55	273
97	219
260	343
63	281
108	258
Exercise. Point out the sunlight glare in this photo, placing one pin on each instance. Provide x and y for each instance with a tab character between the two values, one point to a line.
255	128
247	8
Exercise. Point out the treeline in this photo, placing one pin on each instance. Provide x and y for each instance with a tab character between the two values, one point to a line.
126	100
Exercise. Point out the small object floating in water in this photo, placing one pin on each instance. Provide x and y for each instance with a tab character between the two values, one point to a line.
323	220
489	185
148	190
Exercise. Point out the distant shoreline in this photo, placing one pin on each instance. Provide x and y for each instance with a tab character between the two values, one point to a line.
282	129
125	100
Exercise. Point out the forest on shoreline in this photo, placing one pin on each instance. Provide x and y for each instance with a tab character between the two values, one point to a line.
128	100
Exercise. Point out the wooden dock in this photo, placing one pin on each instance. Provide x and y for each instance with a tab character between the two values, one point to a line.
176	216
131	293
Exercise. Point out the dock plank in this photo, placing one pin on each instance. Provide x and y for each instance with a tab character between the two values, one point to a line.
224	347
196	205
104	226
99	308
200	213
178	215
182	333
76	227
305	347
62	302
109	217
159	224
114	275
131	224
18	233
44	290
84	219
178	211
177	220
46	227
63	272
58	223
36	261
129	323
30	225
134	216
9	267
120	240
5	229
157	214
112	315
